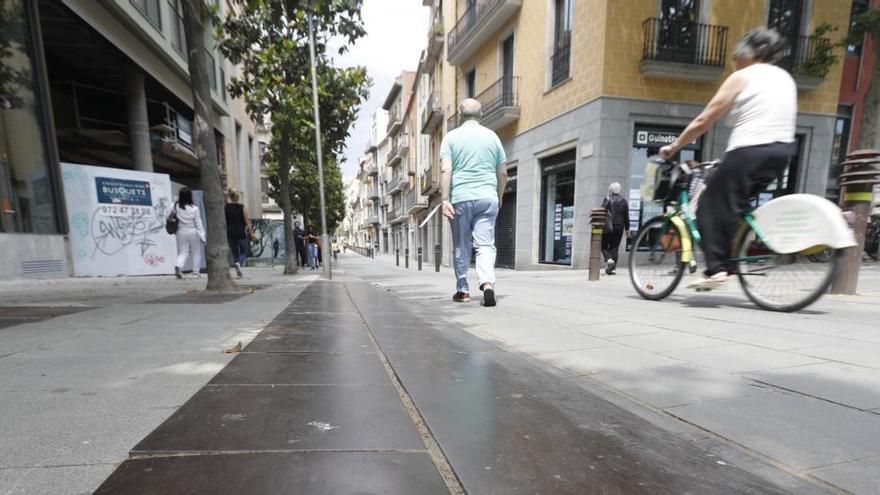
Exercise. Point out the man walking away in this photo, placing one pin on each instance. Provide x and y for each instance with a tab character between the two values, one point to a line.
299	242
473	179
238	228
618	220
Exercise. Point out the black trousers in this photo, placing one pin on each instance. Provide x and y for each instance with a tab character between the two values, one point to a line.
743	173
611	242
301	254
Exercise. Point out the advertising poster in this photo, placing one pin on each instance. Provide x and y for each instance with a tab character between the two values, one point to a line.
117	221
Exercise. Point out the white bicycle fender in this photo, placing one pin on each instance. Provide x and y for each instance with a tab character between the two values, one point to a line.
797	222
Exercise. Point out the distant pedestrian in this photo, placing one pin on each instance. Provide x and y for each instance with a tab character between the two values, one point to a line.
299	242
238	230
617	209
334	246
474	176
190	233
275	246
312	240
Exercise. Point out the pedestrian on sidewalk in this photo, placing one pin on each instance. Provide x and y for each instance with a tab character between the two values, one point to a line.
312	238
190	233
617	210
275	245
299	242
474	175
238	230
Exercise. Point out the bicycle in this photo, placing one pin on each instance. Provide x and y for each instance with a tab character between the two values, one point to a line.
785	252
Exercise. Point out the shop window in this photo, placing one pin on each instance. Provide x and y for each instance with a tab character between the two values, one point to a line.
646	144
557	208
27	200
150	10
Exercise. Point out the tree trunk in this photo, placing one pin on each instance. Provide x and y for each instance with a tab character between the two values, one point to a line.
868	127
216	249
284	185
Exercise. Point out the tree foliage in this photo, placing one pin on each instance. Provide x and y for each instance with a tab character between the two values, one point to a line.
269	39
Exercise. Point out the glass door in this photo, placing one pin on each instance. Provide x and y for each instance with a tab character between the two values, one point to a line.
678	30
786	16
557	208
507	72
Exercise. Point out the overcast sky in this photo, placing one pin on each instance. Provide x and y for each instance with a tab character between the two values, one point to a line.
397	31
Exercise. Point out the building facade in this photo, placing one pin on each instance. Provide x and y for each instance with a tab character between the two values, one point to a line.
106	84
582	92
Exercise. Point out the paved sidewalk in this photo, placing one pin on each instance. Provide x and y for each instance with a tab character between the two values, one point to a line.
79	389
798	390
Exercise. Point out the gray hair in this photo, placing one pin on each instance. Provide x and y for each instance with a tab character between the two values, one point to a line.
761	45
614	188
470	109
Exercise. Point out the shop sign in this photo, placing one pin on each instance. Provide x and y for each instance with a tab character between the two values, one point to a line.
123	192
646	137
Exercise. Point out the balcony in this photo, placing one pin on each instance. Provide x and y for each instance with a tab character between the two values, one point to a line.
432	116
802	60
395	121
372	220
452	122
683	50
373	195
396	215
415	202
398	184
398	151
476	26
435	47
428	185
500	105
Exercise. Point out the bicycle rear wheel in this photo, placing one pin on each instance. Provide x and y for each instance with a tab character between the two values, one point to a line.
655	266
783	282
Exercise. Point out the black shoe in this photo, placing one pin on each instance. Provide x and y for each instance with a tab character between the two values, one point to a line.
177	272
489	297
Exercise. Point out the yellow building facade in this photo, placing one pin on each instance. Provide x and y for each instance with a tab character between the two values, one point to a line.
582	92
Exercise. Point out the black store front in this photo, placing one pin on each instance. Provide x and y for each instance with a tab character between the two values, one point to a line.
505	225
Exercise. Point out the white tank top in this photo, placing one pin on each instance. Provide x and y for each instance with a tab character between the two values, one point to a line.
765	111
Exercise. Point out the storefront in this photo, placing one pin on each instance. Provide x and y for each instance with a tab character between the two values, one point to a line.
505	225
647	142
557	208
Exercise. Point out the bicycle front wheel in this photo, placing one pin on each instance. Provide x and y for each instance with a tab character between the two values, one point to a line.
783	282
655	266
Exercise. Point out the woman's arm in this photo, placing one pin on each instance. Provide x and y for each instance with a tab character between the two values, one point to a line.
719	105
197	218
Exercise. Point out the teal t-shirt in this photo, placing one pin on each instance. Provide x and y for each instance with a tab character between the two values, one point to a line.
475	152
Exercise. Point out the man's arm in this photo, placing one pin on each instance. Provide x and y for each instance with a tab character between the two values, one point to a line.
501	173
446	185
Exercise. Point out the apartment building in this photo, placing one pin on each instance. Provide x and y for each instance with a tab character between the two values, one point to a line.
103	83
398	162
582	92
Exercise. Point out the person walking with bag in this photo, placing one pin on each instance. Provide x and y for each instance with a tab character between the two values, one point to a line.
616	224
190	233
474	176
238	230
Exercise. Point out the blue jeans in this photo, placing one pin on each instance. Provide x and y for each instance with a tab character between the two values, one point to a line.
239	249
474	226
313	255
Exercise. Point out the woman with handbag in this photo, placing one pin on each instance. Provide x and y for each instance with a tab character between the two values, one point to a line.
616	223
190	233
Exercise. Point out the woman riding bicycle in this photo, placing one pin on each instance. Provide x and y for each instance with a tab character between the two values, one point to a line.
763	100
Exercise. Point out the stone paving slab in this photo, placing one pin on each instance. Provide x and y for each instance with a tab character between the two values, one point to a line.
285	340
303	368
854	386
861	476
270	474
740	358
802	432
52	480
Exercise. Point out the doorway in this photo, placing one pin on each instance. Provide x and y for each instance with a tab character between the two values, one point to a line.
557	208
505	226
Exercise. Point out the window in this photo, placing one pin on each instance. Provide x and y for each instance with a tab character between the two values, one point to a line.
859	7
560	61
264	189
786	16
223	84
27	199
178	32
557	208
470	84
212	71
150	9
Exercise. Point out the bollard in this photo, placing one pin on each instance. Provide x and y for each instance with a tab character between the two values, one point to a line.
406	258
597	226
437	258
420	258
860	174
397	256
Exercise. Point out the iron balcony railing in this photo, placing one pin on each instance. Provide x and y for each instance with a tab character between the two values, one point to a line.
682	41
499	95
800	53
394	120
432	116
470	20
560	61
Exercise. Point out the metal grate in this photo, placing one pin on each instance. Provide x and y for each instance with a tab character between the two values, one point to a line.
41	267
505	233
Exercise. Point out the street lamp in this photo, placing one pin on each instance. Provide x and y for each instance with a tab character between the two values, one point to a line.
325	238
